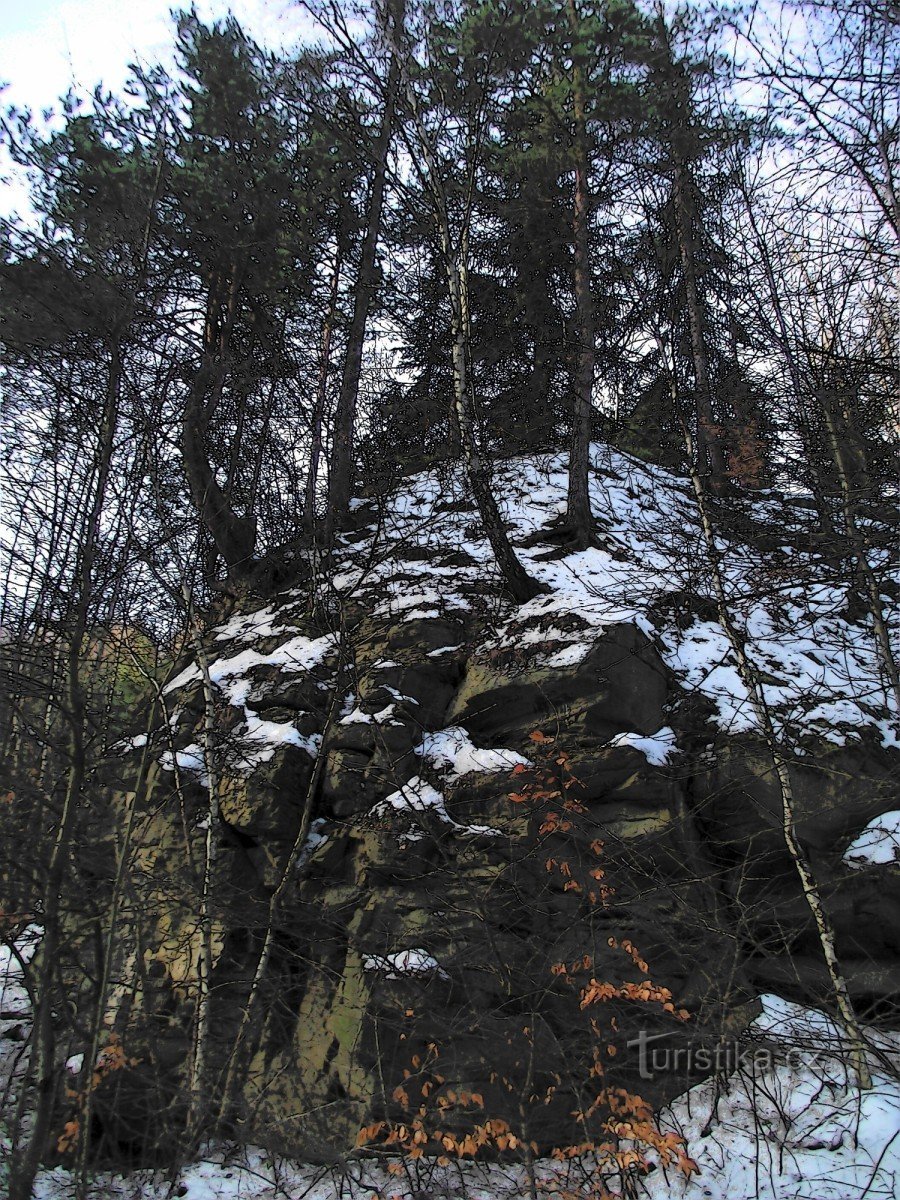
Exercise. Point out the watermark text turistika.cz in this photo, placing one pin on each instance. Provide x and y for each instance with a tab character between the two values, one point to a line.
698	1059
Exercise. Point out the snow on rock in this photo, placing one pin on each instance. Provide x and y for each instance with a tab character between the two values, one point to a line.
127	745
258	740
297	654
453	751
658	748
293	656
818	663
254	741
877	844
316	837
247	627
191	759
404	962
416	796
819	667
419	797
356	716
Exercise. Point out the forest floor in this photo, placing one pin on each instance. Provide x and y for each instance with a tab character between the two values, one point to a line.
786	1123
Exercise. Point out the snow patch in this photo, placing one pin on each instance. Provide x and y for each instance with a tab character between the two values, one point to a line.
404	962
452	750
878	844
657	748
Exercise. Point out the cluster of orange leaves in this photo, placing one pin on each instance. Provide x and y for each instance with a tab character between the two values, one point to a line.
413	1136
111	1058
630	1118
553	783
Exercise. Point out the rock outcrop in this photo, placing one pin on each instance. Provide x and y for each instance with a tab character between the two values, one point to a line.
428	912
438	818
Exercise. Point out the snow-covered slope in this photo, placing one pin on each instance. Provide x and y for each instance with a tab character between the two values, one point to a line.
424	555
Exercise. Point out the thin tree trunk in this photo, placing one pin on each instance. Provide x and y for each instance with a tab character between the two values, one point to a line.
238	1057
318	417
519	583
200	1052
857	542
751	681
579	515
42	1067
109	952
711	457
784	342
341	473
852	529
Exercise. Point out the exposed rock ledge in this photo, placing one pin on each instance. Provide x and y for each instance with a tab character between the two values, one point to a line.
422	911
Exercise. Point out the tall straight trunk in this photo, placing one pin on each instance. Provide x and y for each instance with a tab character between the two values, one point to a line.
340	477
519	583
234	536
712	459
318	417
579	515
43	1039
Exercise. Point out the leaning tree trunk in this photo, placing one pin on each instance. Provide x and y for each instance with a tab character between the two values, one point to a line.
750	677
519	583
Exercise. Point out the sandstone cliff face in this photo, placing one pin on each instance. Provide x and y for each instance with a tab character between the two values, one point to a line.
435	893
423	913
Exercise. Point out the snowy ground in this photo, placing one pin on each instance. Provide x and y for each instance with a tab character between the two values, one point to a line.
794	1130
786	1123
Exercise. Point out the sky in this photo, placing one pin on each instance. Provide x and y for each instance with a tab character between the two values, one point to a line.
46	46
49	46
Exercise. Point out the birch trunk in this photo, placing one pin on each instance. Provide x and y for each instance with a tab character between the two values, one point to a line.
751	681
200	1050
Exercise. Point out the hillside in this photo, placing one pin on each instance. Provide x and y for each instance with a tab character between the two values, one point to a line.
439	820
